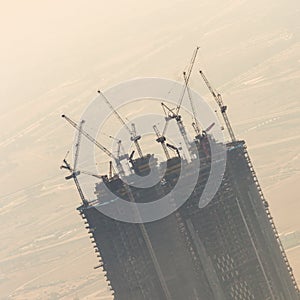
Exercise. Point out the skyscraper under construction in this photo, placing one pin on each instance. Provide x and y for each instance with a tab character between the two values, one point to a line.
230	249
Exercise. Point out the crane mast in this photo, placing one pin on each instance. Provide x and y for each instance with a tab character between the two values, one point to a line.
120	150
135	138
171	114
223	108
133	135
73	170
182	131
73	175
161	139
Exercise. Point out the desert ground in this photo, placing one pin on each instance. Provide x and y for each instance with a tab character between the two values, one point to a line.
55	57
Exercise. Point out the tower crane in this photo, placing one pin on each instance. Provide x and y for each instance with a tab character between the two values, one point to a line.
174	149
121	155
111	170
133	135
161	139
208	128
195	122
77	145
90	174
131	197
135	138
131	157
174	113
171	115
188	75
73	175
78	172
223	108
73	171
96	143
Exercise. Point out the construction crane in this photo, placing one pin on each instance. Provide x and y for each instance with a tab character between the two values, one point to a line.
161	139
96	143
195	123
77	145
208	128
128	190
73	175
171	115
90	174
133	135
121	155
130	158
73	171
174	149
188	75
112	171
135	138
223	108
174	113
78	172
131	197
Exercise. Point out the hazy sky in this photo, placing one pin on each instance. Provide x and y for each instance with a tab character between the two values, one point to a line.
55	54
47	42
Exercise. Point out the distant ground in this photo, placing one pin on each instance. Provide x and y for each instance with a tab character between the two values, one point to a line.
249	50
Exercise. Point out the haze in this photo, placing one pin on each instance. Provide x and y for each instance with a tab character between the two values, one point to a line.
56	54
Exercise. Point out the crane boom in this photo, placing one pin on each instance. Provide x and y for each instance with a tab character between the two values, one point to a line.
78	172
223	108
95	142
174	148
101	147
174	113
196	123
188	75
91	174
209	86
190	69
134	137
77	145
114	111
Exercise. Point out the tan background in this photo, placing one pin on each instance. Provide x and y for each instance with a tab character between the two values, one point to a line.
55	54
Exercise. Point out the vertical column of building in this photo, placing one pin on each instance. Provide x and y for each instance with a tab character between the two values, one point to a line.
270	218
223	242
126	260
91	231
262	233
240	177
262	209
204	271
